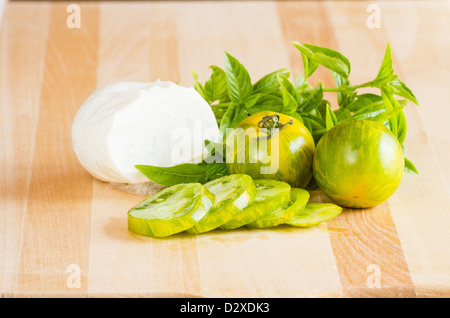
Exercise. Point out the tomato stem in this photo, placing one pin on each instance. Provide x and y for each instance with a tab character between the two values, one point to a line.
273	122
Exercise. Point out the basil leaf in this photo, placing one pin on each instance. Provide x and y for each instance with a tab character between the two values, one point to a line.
300	83
410	167
168	176
184	173
330	120
316	121
232	117
388	115
321	109
217	151
216	86
317	125
227	118
290	95
326	57
386	72
369	111
267	102
363	100
219	110
307	123
400	89
197	86
309	66
386	94
399	121
342	114
239	83
344	98
313	101
298	117
401	127
252	100
269	83
215	171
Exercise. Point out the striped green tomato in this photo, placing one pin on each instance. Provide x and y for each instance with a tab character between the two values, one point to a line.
270	196
172	210
358	163
315	213
298	200
269	145
231	195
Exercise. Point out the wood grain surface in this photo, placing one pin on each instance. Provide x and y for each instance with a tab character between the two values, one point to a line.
63	233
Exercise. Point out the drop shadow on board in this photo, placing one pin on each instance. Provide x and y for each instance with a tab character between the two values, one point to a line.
118	230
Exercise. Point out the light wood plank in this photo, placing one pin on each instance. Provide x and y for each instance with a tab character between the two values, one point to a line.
369	254
306	22
24	29
208	29
146	56
423	217
57	219
127	62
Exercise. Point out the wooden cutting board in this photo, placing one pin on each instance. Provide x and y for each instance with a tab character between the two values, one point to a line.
63	233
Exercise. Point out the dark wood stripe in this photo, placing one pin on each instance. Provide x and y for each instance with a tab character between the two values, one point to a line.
369	254
365	243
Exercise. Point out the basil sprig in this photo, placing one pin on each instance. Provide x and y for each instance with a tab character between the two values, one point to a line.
275	92
232	97
184	173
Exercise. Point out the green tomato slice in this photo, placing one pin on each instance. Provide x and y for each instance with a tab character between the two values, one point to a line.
299	198
172	210
232	194
271	195
315	213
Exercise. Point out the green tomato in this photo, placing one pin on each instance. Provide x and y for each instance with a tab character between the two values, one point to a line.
358	163
172	210
315	213
268	145
232	194
270	195
298	200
